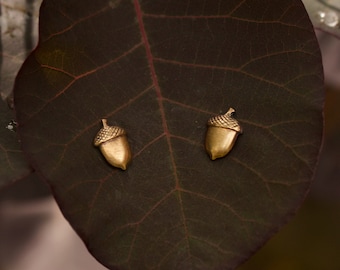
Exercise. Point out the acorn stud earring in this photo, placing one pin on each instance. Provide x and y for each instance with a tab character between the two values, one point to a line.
113	144
221	134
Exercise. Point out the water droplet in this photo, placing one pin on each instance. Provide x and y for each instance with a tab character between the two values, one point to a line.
329	18
11	126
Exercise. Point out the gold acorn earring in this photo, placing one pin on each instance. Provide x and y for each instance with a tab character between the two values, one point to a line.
113	144
221	134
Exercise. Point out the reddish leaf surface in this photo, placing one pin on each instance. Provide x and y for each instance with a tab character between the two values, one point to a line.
160	70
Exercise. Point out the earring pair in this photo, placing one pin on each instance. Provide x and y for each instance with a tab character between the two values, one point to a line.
220	138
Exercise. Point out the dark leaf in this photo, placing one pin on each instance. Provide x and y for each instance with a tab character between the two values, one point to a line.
161	70
13	164
29	188
17	38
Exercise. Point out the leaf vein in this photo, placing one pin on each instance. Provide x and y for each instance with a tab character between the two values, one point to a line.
225	205
256	77
73	24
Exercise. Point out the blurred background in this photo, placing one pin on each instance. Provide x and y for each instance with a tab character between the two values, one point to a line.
35	236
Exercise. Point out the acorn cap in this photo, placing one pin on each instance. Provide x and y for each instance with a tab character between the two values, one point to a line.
107	133
225	121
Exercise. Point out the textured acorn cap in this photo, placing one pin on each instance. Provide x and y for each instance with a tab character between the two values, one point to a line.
107	133
225	121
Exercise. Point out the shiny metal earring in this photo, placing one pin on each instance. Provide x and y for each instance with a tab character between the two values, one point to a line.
221	134
114	146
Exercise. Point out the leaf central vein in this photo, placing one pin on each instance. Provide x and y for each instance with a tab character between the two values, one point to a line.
154	77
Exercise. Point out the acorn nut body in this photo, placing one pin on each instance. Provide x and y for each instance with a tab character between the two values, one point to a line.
221	134
114	146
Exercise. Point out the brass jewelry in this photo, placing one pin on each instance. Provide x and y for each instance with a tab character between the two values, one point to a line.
113	144
221	134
